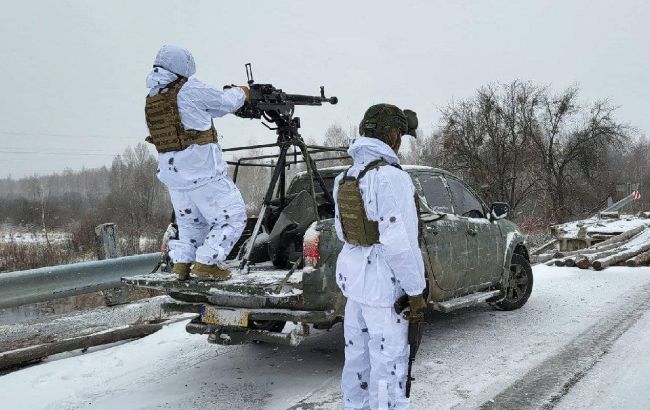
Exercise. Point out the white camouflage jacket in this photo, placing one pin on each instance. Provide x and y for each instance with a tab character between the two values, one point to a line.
198	103
378	274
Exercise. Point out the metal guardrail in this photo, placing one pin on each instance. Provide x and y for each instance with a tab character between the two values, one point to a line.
38	285
634	196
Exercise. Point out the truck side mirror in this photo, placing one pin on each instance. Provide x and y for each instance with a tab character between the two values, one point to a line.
499	210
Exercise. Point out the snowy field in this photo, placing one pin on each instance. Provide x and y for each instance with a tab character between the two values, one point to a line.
469	359
23	237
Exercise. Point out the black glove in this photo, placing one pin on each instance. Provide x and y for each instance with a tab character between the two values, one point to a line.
417	306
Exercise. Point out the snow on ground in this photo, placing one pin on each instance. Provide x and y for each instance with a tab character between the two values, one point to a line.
621	380
466	358
21	236
33	237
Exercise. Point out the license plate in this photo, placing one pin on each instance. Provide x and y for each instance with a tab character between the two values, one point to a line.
224	317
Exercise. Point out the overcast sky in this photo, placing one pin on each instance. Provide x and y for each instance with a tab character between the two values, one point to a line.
73	71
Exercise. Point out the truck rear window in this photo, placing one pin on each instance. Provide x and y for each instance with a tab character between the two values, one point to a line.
302	184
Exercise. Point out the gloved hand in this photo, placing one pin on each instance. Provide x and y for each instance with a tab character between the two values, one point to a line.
170	233
247	91
244	88
417	306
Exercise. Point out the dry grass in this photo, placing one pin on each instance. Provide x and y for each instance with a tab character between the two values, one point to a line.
20	256
80	245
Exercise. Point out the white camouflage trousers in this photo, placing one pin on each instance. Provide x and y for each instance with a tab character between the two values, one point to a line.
210	220
376	358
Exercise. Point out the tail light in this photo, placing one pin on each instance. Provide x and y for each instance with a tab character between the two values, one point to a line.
310	244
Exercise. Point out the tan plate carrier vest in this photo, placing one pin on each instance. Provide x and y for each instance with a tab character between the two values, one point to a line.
357	228
166	130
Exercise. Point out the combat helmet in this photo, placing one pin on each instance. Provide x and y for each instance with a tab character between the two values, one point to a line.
380	119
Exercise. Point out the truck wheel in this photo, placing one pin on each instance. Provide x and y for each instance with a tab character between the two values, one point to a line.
519	285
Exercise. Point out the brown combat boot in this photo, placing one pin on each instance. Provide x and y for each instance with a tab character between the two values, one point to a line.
182	270
211	272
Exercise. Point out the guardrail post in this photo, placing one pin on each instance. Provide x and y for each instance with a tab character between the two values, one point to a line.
108	239
109	248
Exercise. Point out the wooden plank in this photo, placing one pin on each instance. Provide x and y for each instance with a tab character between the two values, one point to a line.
31	354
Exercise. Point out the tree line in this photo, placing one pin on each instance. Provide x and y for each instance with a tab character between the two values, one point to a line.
126	193
547	154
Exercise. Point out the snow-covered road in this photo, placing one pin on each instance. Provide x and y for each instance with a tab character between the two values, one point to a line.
472	358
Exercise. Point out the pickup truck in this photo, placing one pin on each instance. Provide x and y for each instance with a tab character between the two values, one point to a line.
472	255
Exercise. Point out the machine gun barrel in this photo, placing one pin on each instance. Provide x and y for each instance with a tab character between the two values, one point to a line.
299	99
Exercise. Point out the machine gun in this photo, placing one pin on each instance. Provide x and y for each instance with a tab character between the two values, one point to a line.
414	338
277	107
274	105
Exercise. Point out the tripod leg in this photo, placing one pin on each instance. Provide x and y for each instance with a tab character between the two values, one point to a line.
279	168
310	169
319	178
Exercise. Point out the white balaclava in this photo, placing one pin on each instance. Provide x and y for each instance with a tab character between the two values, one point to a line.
176	59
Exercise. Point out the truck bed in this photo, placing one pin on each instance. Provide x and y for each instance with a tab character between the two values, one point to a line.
263	286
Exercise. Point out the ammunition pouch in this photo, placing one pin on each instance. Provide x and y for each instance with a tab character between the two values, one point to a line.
166	131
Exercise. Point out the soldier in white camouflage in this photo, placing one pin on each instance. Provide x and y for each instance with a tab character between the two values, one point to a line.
376	217
209	209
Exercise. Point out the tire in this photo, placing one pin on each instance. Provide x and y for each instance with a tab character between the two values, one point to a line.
519	285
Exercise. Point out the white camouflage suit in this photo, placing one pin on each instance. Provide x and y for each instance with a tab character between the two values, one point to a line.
373	277
210	211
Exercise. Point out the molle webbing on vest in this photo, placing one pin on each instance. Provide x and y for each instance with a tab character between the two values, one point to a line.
357	228
164	122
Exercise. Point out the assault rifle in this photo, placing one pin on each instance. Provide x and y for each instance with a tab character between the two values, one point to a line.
277	107
414	337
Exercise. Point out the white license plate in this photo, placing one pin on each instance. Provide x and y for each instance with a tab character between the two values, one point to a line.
224	317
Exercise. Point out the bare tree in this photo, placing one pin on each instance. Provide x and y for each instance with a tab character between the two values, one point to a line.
518	142
335	136
487	139
566	135
424	149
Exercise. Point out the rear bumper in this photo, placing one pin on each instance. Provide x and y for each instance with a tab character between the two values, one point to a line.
260	289
239	300
291	335
286	315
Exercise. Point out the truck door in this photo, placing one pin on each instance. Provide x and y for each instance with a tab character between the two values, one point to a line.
484	253
445	241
